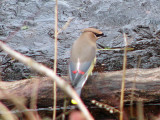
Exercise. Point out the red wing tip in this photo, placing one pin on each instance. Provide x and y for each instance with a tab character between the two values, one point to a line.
80	72
74	72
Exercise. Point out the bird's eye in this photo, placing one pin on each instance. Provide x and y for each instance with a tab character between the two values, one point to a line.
99	35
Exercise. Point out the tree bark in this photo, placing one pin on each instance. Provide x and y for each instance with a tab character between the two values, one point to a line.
103	87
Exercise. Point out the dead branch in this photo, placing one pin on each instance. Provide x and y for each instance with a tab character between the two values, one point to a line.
103	87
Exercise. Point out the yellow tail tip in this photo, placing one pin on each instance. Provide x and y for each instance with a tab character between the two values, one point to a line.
74	102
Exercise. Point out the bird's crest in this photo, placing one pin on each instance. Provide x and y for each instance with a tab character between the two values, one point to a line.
94	30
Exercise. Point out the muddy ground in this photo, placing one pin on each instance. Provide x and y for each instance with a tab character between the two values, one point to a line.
28	27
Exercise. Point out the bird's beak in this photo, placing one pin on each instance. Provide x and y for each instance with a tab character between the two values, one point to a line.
104	35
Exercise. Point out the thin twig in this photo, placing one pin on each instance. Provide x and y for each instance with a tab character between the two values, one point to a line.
63	114
134	86
65	26
48	72
123	77
55	60
34	96
64	107
0	68
105	106
140	110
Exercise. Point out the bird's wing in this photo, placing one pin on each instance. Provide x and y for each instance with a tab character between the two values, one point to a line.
80	71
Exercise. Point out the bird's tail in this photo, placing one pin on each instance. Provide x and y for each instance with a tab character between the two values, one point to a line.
78	87
78	90
74	102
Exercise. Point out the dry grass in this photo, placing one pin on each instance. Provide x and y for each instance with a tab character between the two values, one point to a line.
6	114
133	88
123	78
55	60
48	72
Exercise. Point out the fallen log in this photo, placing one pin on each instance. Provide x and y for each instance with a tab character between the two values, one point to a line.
103	87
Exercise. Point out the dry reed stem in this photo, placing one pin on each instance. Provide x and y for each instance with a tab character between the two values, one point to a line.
140	111
48	72
64	107
19	103
123	77
134	87
6	113
34	96
0	69
55	60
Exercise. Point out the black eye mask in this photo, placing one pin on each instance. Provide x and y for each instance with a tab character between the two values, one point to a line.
100	35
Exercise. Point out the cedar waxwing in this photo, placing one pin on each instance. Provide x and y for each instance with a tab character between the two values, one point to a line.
83	58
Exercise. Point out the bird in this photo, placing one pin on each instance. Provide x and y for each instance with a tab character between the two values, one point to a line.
83	58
